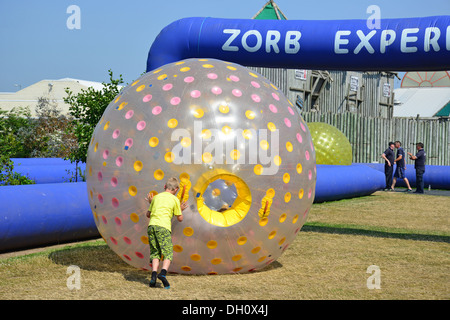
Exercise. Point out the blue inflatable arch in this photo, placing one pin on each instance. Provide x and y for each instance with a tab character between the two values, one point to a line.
410	44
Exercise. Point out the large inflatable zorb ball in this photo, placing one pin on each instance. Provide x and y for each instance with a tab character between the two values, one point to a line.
332	146
243	156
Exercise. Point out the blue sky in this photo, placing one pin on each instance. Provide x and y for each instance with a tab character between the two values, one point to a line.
36	43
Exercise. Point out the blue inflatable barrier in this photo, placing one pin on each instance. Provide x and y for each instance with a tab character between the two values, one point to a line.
336	182
40	161
50	173
420	44
437	177
38	215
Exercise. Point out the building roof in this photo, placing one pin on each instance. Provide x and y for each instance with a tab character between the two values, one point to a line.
425	101
270	11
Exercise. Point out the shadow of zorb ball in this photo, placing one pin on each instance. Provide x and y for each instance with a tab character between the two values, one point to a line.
243	156
331	145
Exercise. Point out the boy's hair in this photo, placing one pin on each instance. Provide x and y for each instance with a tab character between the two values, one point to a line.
420	144
398	142
172	184
391	143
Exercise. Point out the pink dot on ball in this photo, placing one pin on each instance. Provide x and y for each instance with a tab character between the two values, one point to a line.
299	137
156	110
129	114
127	257
127	240
114	181
309	175
105	154
139	255
175	101
167	87
128	142
100	198
275	96
236	92
147	98
113	240
255	84
212	76
307	155
117	220
303	127
100	176
119	161
291	111
195	94
189	79
309	193
287	122
256	98
116	134
115	202
234	78
273	108
141	125
105	221
216	90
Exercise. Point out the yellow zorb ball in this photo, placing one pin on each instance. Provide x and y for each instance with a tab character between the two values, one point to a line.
332	146
244	159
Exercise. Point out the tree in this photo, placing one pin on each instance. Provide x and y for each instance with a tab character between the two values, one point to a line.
86	109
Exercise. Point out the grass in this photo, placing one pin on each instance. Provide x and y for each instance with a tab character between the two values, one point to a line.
406	235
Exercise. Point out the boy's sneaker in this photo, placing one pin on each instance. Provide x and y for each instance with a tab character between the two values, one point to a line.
164	281
153	280
408	190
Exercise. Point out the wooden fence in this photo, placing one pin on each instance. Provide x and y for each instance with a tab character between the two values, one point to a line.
369	136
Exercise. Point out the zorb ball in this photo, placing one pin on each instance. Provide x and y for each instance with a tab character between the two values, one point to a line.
331	145
244	158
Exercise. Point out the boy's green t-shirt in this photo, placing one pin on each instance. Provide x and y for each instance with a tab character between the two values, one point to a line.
163	207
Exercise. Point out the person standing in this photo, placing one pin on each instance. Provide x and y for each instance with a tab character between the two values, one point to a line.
401	167
419	165
389	157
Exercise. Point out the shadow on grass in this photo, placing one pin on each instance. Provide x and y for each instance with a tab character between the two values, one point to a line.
102	258
376	233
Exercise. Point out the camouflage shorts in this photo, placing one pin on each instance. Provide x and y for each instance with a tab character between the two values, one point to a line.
160	241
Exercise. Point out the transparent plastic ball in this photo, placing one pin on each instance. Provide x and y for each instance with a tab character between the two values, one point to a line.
243	156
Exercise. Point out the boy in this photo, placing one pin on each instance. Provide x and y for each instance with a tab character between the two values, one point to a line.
163	207
419	165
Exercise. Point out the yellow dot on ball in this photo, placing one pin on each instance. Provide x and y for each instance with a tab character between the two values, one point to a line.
186	268
186	142
132	190
258	169
282	218
140	88
250	114
153	142
272	234
247	134
169	157
96	147
262	259
236	257
277	160
241	240
216	261
271	126
172	123
226	130
253	75
264	144
224	109
138	166
158	174
122	105
206	134
195	257
256	250
188	231
134	217
184	69
106	126
270	193
177	248
287	197
231	68
294	220
289	146
198	113
215	192
286	178
184	177
144	240
235	154
301	193
207	157
208	66
299	168
162	77
263	221
211	244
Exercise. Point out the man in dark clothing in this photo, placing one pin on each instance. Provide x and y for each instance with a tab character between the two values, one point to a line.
419	165
389	157
401	167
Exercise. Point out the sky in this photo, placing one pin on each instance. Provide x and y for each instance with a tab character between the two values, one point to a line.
36	43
